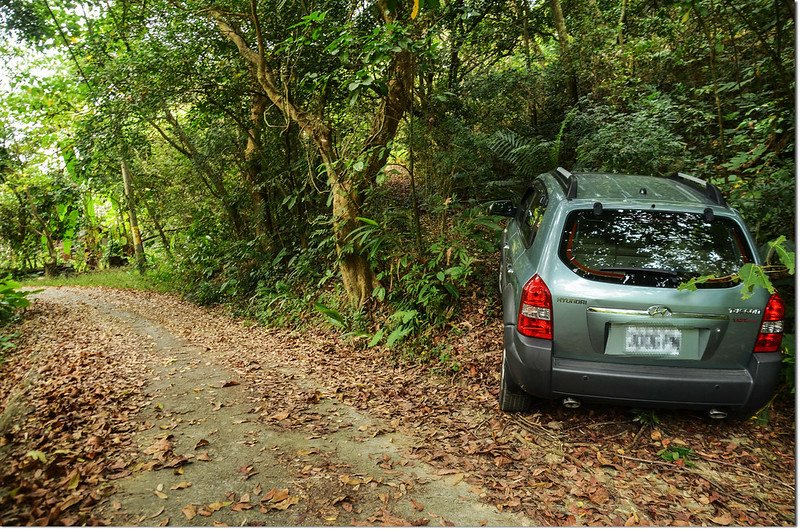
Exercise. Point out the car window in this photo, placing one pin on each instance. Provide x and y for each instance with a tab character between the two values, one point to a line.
531	212
652	248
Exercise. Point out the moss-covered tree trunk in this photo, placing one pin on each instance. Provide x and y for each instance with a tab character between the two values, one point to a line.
346	185
130	201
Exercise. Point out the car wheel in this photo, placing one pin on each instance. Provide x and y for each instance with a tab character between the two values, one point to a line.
512	397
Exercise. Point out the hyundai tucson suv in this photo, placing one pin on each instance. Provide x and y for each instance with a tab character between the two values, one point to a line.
589	276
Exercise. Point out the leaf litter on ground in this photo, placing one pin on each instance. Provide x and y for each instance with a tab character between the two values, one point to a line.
591	466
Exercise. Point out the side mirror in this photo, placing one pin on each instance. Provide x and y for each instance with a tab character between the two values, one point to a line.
503	208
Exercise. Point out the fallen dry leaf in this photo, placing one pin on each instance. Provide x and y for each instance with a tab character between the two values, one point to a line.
214	507
280	416
276	495
190	511
285	504
723	519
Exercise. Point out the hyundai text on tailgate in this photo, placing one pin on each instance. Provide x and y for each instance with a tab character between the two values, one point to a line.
589	276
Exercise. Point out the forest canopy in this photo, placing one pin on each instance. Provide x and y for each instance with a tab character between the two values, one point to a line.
299	154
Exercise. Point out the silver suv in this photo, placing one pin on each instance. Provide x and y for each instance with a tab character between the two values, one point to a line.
590	265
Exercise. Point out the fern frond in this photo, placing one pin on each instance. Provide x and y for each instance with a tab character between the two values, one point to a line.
529	157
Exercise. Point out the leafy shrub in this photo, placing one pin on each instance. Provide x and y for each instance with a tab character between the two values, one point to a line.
294	279
420	291
528	157
638	141
12	301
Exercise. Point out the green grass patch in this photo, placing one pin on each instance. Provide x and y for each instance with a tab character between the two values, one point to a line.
112	278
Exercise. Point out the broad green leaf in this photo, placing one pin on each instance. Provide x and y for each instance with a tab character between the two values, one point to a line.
333	315
377	338
37	455
753	276
691	284
365	220
397	335
785	256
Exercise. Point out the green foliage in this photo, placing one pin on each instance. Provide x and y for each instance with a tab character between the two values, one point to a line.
751	276
697	87
636	141
159	278
421	291
677	453
333	316
12	300
646	417
529	158
786	257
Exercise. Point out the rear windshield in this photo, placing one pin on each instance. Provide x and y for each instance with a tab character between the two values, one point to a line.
652	248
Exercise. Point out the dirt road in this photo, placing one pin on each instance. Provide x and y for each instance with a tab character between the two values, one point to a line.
132	408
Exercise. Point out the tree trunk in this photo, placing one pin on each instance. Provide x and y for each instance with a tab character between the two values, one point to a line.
130	202
160	229
712	65
262	220
358	278
566	53
456	41
212	179
623	8
49	266
91	240
300	206
346	188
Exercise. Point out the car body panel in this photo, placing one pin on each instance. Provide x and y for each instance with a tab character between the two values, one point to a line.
706	357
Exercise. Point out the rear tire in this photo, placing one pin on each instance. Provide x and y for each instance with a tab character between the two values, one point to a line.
512	397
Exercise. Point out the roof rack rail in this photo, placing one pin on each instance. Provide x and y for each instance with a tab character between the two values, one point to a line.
708	189
568	181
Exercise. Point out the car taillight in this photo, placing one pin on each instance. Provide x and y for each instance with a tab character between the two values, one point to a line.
536	310
771	333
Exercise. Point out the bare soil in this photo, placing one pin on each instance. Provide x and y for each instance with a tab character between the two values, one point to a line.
134	408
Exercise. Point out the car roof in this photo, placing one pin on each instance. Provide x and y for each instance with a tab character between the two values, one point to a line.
627	188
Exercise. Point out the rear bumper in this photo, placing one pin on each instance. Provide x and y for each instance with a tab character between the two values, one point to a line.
746	389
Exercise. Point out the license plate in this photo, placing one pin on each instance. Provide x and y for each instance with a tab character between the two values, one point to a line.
653	341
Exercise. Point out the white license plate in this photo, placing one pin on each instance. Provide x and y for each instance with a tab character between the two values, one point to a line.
653	340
